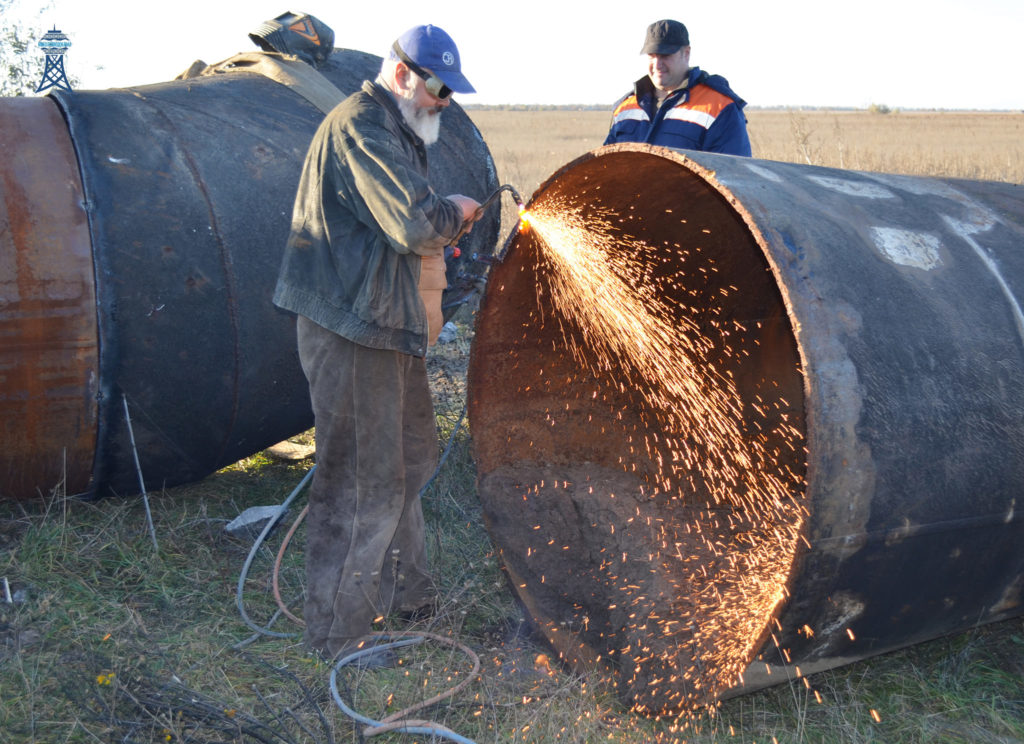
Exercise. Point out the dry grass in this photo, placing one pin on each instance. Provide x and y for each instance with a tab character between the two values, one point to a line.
980	146
528	146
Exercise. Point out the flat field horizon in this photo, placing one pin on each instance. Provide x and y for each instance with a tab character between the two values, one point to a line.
530	144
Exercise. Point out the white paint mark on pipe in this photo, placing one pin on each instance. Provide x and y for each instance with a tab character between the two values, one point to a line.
763	173
853	188
907	248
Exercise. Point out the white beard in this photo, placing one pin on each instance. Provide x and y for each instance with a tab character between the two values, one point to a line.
425	122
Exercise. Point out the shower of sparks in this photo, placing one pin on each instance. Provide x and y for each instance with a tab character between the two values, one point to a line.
714	569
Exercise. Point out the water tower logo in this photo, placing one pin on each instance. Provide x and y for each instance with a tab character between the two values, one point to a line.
56	45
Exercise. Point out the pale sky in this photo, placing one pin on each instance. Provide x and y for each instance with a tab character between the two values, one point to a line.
905	54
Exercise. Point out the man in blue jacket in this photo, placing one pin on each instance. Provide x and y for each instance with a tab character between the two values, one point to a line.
676	105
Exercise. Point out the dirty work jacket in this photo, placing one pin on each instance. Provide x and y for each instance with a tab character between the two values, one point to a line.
704	115
364	214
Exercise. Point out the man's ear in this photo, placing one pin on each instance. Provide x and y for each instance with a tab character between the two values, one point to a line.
402	73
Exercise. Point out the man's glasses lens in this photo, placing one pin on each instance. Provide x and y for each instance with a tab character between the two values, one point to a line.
438	89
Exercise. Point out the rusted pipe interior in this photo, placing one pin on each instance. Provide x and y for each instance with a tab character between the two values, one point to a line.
596	527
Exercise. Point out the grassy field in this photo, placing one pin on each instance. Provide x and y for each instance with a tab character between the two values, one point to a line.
983	146
109	640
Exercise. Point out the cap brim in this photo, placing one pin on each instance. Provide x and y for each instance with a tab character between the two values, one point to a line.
660	49
456	81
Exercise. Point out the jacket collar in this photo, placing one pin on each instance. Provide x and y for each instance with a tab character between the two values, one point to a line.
644	88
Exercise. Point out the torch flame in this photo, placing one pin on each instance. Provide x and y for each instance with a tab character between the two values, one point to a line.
524	219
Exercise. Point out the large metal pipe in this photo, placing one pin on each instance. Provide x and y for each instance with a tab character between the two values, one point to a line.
869	331
141	238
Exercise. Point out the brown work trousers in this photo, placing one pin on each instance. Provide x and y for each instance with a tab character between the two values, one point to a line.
376	446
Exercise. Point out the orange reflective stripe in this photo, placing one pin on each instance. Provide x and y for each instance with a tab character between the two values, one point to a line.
702	108
629	103
628	110
708	100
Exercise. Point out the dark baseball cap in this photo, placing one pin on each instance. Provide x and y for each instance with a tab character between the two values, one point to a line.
665	37
432	48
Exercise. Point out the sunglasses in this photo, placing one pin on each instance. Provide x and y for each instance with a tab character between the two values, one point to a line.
431	82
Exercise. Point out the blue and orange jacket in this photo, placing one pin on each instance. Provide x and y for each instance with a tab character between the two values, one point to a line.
705	115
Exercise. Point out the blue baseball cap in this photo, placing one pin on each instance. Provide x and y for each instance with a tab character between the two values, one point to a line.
431	47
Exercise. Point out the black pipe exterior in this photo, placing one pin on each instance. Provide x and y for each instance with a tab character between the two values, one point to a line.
188	190
881	317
